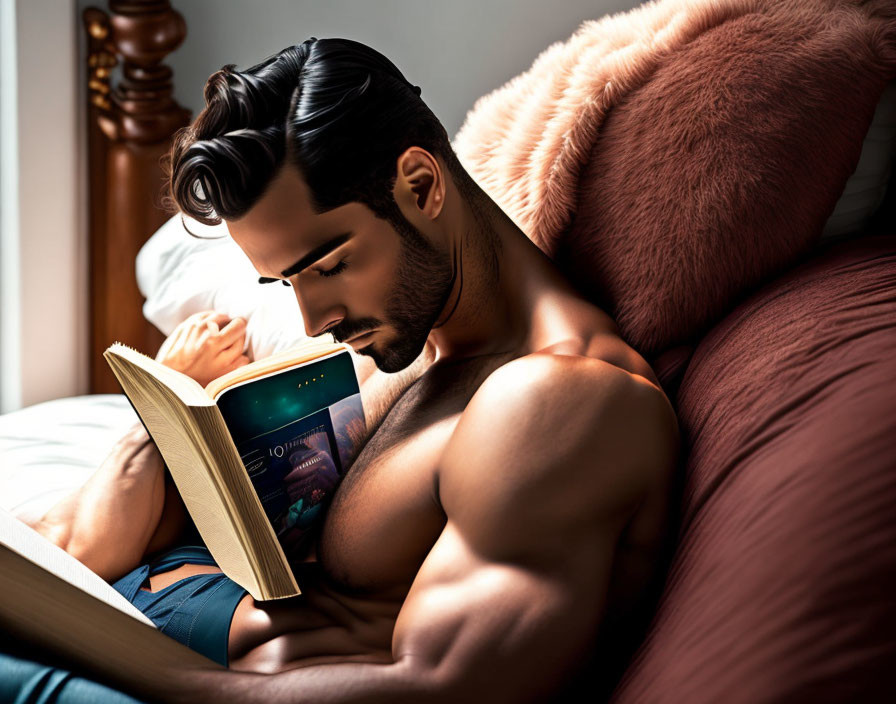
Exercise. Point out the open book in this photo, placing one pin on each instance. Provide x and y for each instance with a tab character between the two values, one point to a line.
53	601
257	454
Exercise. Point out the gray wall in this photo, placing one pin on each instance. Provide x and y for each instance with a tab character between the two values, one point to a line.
43	281
455	50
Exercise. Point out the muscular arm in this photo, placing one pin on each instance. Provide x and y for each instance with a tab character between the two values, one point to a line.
544	469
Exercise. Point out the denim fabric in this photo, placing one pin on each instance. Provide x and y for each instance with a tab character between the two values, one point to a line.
195	610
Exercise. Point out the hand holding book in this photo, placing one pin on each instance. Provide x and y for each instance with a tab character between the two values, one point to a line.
205	346
257	454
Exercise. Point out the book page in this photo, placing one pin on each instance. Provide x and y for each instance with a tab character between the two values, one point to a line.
28	543
305	352
198	449
349	428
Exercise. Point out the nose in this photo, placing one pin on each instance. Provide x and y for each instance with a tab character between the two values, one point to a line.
318	315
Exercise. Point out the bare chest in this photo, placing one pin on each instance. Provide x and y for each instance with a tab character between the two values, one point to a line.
386	514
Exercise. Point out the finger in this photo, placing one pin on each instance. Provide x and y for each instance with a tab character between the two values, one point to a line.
230	339
199	318
229	355
192	333
214	322
233	331
207	324
219	318
211	332
181	328
174	340
235	323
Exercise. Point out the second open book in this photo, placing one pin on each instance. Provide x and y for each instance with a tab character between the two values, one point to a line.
256	454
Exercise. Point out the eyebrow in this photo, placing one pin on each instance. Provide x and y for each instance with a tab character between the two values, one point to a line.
318	252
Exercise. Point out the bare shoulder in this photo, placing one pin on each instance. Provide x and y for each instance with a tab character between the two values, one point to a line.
585	399
572	433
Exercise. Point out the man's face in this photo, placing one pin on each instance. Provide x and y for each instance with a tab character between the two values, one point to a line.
352	273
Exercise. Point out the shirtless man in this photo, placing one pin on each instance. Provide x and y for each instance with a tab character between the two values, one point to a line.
512	492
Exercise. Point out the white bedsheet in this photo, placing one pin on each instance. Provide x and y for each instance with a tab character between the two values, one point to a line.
49	449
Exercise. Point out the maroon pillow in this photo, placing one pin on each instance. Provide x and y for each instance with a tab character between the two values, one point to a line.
672	157
782	585
721	170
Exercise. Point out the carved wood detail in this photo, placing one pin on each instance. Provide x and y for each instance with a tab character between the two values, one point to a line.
130	127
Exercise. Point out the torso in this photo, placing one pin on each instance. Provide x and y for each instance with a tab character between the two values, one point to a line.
376	546
386	515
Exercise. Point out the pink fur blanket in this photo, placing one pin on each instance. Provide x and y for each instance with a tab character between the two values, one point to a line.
738	123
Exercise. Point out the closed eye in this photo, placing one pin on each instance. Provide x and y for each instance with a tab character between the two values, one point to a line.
335	270
323	272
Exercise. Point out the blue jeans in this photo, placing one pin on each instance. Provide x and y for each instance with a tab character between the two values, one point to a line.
195	610
29	682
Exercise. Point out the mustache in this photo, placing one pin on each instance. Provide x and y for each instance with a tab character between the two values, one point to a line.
341	334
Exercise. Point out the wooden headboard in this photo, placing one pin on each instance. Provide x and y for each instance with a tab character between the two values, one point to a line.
130	127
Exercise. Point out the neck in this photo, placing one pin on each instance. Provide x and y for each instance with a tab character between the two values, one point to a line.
491	308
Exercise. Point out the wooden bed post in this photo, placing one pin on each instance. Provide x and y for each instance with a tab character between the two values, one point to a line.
130	126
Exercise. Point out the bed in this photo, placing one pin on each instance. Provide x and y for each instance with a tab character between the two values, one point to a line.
771	328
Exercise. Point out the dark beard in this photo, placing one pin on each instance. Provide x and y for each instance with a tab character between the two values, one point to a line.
423	283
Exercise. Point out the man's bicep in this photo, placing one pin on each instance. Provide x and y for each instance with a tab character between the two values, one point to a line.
499	631
508	599
513	591
550	451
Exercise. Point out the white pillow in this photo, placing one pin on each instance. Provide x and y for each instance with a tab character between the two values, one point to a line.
180	275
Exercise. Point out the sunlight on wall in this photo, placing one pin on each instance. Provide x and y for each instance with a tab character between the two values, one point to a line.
42	270
10	379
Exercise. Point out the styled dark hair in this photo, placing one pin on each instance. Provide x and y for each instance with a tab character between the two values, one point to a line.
339	111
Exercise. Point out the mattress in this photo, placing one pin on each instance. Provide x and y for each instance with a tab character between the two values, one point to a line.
49	449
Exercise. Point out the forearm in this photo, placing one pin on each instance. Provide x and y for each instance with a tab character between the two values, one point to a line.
124	498
341	682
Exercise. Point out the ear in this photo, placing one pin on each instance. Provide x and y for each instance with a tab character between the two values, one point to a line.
419	183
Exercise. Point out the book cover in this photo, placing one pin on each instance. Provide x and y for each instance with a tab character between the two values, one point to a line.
296	431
